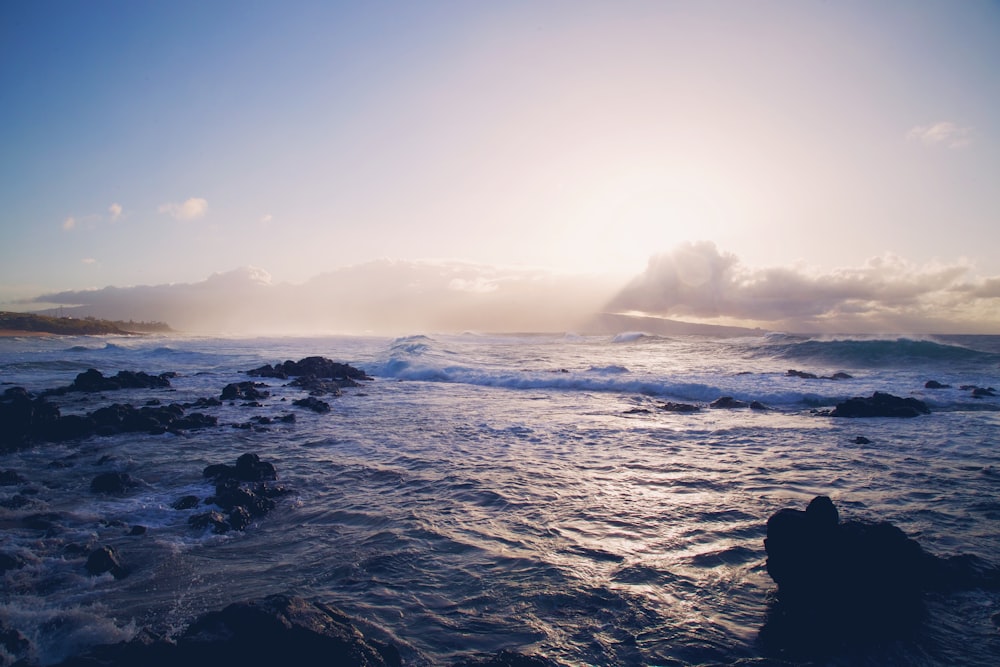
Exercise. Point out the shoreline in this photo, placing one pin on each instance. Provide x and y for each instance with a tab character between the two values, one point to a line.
21	333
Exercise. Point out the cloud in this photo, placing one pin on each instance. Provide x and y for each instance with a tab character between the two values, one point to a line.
192	209
266	219
944	133
89	260
695	282
115	211
69	223
383	296
885	294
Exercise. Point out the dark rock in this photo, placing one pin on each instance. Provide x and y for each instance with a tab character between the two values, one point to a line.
277	630
136	531
312	403
214	520
106	559
70	427
245	391
249	468
636	411
47	521
880	404
92	380
10	562
12	641
112	482
239	518
507	658
288	419
853	581
10	478
318	367
934	384
727	402
678	407
15	502
862	440
840	375
321	387
185	503
210	402
757	405
791	372
980	392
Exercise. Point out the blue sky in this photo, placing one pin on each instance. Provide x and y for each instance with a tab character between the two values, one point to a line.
148	143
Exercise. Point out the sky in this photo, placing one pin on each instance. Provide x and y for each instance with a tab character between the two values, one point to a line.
803	166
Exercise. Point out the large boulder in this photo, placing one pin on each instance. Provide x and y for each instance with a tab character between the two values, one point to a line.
842	582
880	404
317	367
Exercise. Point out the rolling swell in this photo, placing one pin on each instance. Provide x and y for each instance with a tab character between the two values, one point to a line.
878	353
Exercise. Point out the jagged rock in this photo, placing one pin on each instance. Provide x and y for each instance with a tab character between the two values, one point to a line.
10	478
507	658
852	581
185	503
246	391
242	491
318	367
678	407
934	384
106	559
727	402
23	418
277	630
880	404
92	380
214	520
312	403
112	482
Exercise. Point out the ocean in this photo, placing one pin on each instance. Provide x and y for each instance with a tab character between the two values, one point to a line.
527	492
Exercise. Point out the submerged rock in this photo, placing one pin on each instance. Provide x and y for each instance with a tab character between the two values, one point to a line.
112	482
934	384
277	630
880	404
246	391
678	407
727	403
312	403
106	559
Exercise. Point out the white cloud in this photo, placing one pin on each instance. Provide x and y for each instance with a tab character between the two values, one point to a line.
192	209
115	211
69	223
266	219
89	260
944	133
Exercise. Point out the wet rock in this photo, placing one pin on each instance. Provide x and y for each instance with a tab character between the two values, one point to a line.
507	658
812	376
934	384
980	392
276	630
312	403
185	503
92	380
727	402
12	641
11	478
243	491
112	482
244	391
137	531
10	562
760	407
880	404
319	367
321	387
678	407
852	581
214	520
106	559
862	440
24	418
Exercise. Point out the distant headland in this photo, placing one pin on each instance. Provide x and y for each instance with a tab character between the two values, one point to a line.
29	324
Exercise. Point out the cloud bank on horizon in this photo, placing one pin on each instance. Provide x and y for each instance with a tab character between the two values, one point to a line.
695	282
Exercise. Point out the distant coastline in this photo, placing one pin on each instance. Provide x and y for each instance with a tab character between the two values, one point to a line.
28	324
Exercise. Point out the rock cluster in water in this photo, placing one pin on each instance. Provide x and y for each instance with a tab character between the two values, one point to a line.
880	404
243	492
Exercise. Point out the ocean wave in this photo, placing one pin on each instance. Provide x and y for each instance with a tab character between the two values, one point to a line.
874	353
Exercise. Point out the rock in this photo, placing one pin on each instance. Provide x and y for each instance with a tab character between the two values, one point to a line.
880	404
185	503
862	440
12	641
934	384
10	562
92	380
112	482
757	405
507	658
853	581
318	367
245	391
277	630
321	387
11	478
214	520
24	418
312	403
727	402
980	392
137	531
678	407
840	375
106	559
242	491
